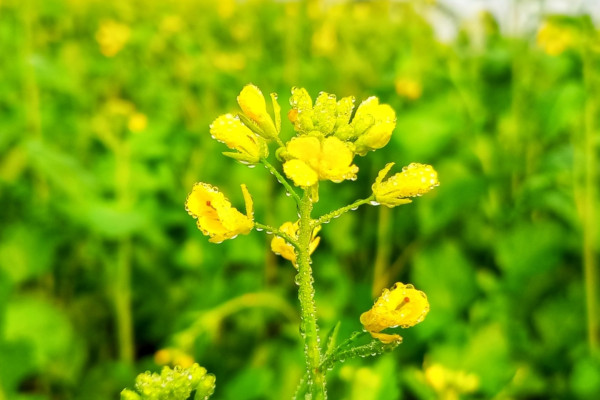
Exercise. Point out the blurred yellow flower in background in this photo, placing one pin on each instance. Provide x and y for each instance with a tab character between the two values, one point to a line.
450	384
173	356
408	88
414	180
554	38
137	122
214	214
281	247
402	305
112	37
311	158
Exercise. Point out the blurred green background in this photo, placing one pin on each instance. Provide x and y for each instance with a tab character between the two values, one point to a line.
104	115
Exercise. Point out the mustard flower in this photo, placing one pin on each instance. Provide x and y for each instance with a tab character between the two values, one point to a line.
323	117
249	146
414	180
408	88
402	305
281	247
554	39
214	214
311	158
370	129
255	115
112	37
373	125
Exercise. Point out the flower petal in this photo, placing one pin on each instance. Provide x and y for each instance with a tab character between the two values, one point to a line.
301	173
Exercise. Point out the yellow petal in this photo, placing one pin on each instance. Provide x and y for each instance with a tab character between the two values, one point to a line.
281	247
237	136
300	173
305	148
252	102
248	202
214	214
336	161
386	338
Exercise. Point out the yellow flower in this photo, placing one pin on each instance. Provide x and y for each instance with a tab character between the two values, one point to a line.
280	246
408	88
256	117
137	122
402	305
373	123
319	119
237	136
449	383
370	129
214	214
554	39
112	37
311	158
173	356
414	180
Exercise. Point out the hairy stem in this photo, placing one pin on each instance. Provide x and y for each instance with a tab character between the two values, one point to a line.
306	295
340	211
277	232
281	180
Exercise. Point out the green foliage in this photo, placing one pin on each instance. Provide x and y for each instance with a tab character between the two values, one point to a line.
94	238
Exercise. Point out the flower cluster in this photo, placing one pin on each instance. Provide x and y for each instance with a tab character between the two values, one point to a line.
329	133
172	384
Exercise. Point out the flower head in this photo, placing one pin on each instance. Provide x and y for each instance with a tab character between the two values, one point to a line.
402	305
414	180
280	246
214	214
237	136
253	105
312	158
370	129
373	125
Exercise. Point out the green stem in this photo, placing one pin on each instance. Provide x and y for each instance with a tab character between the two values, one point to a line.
590	265
306	295
382	254
122	299
122	282
277	232
282	180
335	214
279	142
329	360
